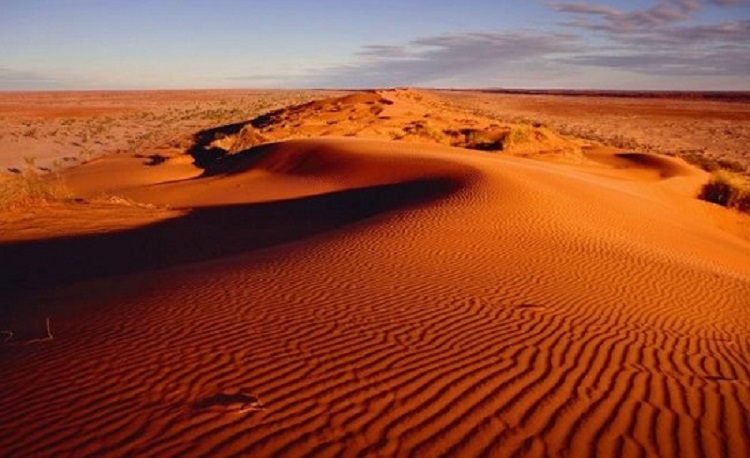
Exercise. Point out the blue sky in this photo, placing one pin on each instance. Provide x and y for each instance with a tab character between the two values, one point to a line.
133	44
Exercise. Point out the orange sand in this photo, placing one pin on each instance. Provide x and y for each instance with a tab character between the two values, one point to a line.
344	297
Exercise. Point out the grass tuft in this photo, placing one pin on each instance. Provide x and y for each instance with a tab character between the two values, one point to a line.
727	189
24	189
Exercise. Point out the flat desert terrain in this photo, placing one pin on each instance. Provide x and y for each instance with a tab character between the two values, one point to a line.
710	130
72	127
372	273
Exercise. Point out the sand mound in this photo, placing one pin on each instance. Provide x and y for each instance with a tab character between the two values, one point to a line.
335	186
401	114
425	301
665	166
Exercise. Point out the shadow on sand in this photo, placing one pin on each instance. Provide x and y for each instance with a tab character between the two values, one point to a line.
201	234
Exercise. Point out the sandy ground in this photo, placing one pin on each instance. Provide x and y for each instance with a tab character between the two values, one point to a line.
709	133
58	129
365	295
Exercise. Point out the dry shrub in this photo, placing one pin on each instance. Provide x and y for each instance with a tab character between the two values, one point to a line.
727	189
28	188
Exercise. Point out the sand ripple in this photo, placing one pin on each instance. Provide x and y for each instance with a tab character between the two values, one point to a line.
530	309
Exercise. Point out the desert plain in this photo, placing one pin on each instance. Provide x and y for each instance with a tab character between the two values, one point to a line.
372	273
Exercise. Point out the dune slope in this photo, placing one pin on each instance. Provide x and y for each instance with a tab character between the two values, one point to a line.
404	115
516	307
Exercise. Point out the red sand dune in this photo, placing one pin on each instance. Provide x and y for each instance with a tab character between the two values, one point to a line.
369	298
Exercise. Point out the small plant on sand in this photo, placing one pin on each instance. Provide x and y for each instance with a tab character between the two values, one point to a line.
427	130
699	158
727	189
28	188
732	165
519	134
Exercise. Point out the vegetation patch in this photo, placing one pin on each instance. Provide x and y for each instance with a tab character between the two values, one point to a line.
727	189
479	139
426	129
23	189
